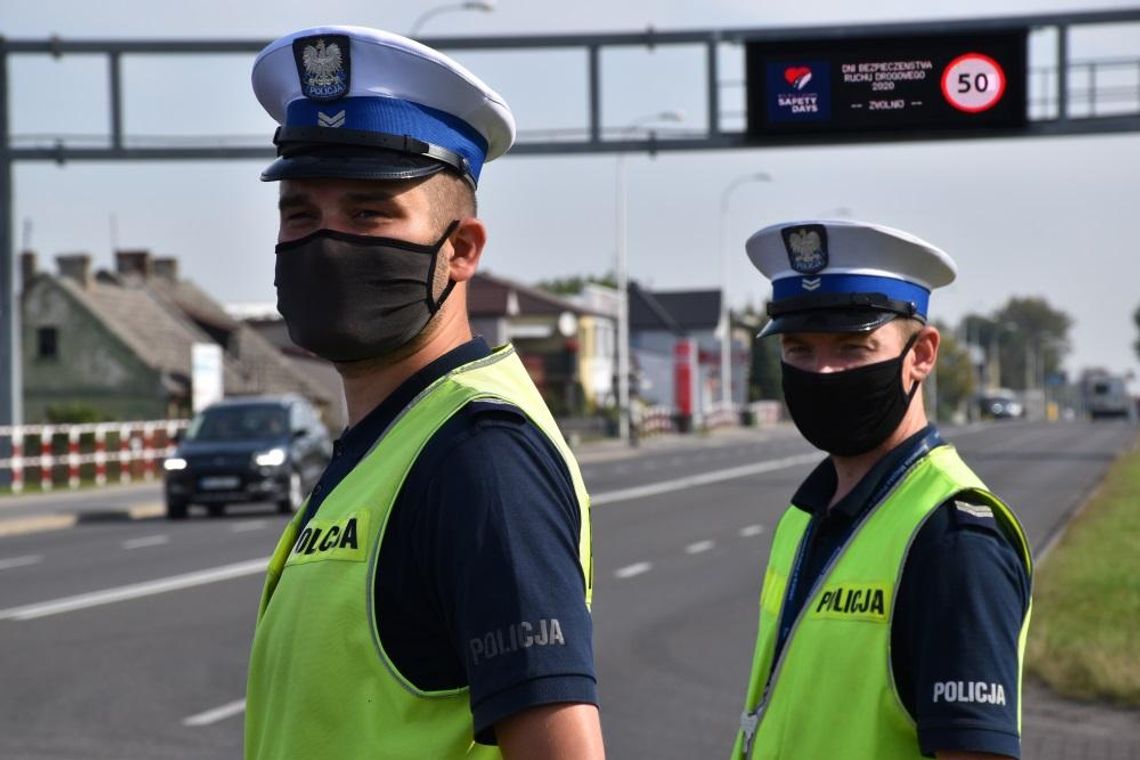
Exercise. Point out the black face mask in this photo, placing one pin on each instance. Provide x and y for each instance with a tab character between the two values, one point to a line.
851	412
351	297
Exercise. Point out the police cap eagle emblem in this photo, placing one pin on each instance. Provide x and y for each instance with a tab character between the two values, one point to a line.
323	66
807	247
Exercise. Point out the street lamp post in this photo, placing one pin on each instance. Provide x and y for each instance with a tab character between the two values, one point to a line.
726	328
468	5
622	270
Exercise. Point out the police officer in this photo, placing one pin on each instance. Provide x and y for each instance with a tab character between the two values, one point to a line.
430	599
894	608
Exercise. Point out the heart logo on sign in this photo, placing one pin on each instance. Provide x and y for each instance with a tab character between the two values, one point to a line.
797	76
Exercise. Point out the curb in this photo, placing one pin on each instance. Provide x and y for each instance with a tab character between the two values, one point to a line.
1057	532
21	526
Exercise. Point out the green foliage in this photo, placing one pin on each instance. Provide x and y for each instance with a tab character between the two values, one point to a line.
764	381
570	286
1136	319
74	414
1082	641
1037	330
1025	332
954	375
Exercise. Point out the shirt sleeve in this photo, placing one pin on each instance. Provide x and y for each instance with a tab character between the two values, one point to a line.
507	572
962	601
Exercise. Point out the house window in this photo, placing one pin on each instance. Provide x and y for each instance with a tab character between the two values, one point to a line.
47	343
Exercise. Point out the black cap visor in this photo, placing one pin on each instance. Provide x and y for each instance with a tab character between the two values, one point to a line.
309	152
349	164
853	320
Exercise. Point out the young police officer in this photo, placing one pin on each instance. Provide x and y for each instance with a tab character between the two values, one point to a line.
430	599
895	605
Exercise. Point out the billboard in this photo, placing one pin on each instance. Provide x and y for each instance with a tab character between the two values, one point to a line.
944	83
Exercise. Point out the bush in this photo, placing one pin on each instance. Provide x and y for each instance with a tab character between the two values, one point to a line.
74	414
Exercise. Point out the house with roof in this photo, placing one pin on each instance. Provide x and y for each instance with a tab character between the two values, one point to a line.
566	346
119	342
675	345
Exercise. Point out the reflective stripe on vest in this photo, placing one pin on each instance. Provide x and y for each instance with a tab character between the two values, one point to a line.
832	693
320	684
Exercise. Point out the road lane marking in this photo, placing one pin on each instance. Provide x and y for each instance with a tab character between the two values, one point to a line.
28	559
135	590
228	710
248	526
748	531
699	546
145	541
631	570
705	478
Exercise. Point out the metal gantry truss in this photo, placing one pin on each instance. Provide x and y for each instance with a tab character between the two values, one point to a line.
1055	87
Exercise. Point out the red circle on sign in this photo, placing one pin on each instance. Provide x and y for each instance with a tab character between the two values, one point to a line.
977	58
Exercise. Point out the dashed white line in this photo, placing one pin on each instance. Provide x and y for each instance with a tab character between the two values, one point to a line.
28	559
135	590
218	713
631	570
249	525
748	531
705	478
699	546
145	541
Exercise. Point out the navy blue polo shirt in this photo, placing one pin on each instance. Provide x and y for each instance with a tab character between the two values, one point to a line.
961	600
478	582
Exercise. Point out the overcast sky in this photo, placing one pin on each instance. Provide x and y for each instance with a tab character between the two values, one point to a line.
1047	217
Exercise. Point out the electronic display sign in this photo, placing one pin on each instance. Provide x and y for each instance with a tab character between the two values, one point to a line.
928	83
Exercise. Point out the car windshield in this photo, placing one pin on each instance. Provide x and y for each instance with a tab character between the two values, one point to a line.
238	423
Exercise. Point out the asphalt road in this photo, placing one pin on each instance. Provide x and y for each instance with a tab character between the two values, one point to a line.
129	639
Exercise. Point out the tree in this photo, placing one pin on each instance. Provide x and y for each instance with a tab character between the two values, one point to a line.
1033	339
573	285
764	376
1136	319
954	375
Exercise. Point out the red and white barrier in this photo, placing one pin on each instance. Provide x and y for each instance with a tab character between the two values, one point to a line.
656	419
138	455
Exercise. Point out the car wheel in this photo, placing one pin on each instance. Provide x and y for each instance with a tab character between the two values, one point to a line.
176	509
216	510
292	501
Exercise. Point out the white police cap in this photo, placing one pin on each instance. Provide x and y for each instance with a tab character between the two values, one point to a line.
845	276
368	104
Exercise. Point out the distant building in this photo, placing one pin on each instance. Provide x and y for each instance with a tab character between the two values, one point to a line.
119	343
549	333
675	339
266	321
597	343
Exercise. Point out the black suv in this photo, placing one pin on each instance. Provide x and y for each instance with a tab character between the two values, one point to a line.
247	449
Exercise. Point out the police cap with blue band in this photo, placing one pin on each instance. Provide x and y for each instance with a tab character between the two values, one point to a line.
845	276
363	103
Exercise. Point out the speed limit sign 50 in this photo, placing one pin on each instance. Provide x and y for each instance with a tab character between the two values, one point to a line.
973	83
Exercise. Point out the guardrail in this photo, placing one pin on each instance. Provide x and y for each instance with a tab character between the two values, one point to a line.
54	456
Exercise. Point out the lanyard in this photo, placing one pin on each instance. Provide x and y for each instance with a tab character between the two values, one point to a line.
789	615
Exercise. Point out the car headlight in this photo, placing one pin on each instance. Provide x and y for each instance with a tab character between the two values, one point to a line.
271	458
174	463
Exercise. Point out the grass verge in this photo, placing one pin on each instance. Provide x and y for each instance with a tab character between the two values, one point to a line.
1084	641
